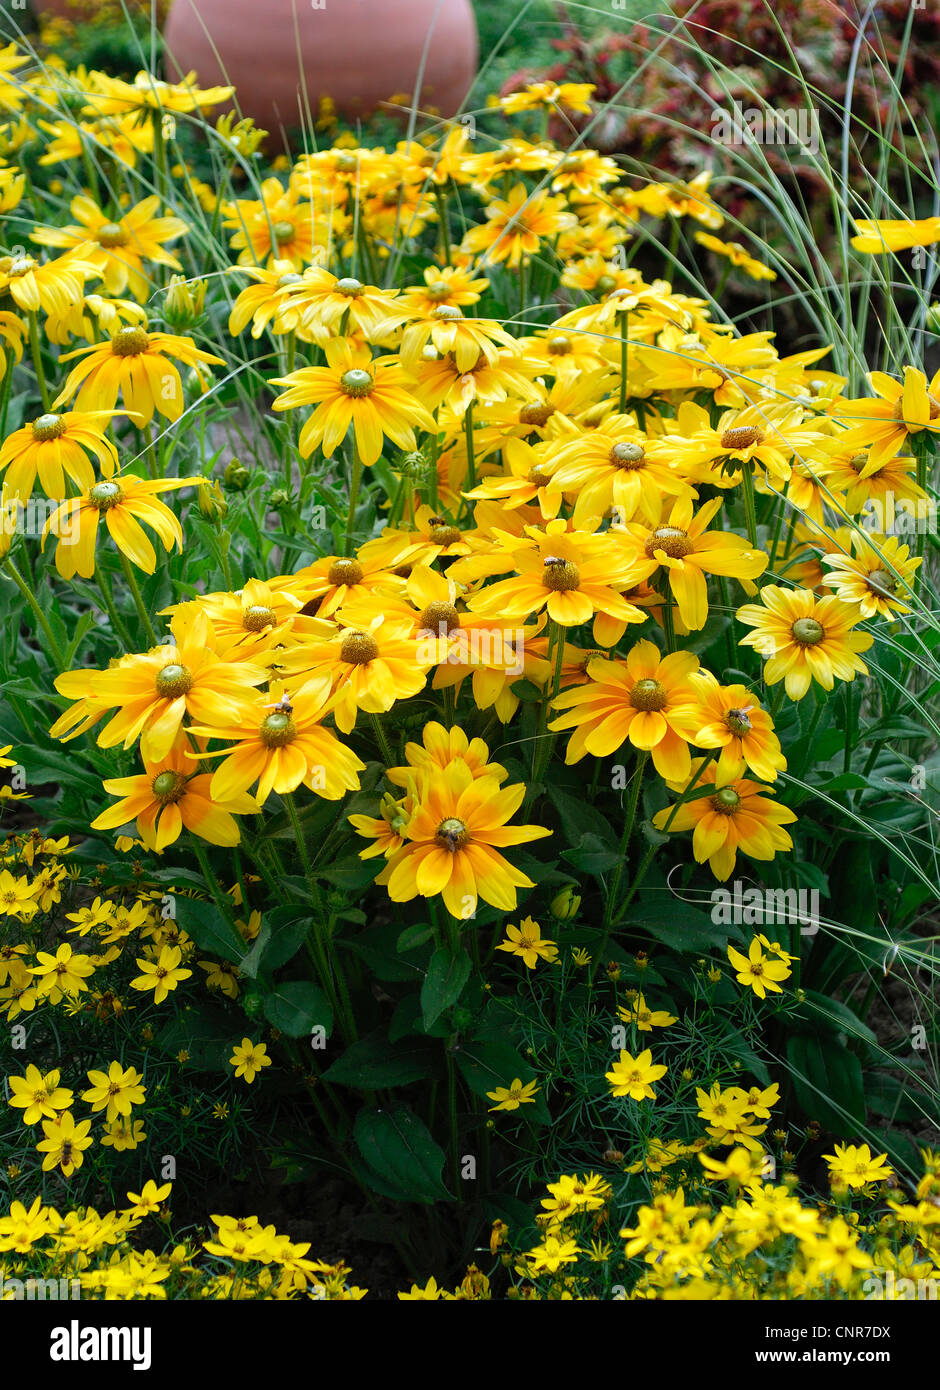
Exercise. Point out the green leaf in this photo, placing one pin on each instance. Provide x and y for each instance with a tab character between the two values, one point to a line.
444	982
251	963
486	1065
579	818
289	928
407	1019
413	937
351	873
592	855
297	1007
205	1033
680	926
846	781
373	1063
378	947
209	929
888	1096
827	1079
397	1146
839	1016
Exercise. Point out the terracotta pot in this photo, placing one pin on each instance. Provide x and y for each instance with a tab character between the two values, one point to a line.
357	52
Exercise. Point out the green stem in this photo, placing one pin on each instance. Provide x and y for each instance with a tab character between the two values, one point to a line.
622	319
382	740
117	622
629	821
5	390
353	495
289	451
36	351
471	454
669	626
212	883
37	612
651	852
750	506
440	194
321	947
544	740
142	613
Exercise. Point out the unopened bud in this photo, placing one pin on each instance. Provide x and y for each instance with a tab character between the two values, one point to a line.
565	905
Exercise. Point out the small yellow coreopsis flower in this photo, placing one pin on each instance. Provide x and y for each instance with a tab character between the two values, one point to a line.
249	1058
511	1097
760	972
161	975
527	941
854	1166
631	1076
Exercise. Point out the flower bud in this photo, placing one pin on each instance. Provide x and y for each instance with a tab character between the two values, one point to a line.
932	320
212	501
565	905
236	476
184	303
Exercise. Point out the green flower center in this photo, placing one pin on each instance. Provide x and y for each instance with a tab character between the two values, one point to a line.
345	162
446	311
452	835
439	290
559	346
439	617
358	648
105	495
283	231
284	282
174	680
21	266
111	234
258	617
605	284
130	342
649	695
628	456
672	540
357	382
858	461
278	729
741	437
168	787
808	632
348	286
48	427
345	572
881	582
559	574
738	722
726	801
